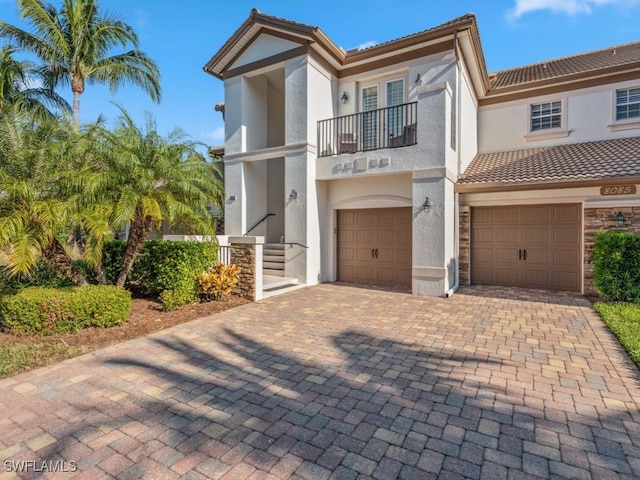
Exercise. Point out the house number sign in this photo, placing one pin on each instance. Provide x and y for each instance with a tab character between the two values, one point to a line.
618	190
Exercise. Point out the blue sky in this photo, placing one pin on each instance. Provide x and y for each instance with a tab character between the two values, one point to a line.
182	36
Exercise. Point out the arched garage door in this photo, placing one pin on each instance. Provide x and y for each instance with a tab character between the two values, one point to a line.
374	246
536	246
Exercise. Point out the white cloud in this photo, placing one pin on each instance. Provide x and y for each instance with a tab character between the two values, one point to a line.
368	44
569	7
217	135
142	17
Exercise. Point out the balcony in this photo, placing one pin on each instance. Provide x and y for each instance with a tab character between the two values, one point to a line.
388	127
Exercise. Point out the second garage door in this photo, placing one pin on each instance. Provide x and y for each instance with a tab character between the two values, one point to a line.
374	246
528	246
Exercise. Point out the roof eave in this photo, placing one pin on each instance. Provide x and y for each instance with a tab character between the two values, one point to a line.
489	187
539	87
311	34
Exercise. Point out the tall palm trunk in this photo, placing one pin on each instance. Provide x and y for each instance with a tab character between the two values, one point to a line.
57	257
141	227
77	87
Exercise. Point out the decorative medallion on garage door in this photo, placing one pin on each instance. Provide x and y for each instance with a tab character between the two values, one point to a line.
374	245
536	246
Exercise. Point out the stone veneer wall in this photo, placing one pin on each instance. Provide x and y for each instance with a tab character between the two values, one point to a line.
464	253
596	219
244	256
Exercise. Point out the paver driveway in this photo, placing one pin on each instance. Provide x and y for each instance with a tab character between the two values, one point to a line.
341	382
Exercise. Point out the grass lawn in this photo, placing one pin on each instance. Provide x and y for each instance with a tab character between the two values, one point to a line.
18	357
623	319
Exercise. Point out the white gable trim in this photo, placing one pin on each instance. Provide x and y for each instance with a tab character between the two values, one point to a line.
264	46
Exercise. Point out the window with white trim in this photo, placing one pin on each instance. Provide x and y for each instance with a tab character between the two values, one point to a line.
627	103
546	115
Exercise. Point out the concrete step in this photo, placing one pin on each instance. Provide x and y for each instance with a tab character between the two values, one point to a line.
279	291
272	273
271	282
273	265
274	246
274	253
273	258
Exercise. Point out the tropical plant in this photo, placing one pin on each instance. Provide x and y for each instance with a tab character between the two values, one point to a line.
148	179
24	87
76	44
219	281
42	195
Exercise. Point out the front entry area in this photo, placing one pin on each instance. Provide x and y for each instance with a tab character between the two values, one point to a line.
374	245
535	246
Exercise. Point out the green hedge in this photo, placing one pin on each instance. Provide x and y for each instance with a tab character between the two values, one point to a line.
168	270
41	275
46	311
616	263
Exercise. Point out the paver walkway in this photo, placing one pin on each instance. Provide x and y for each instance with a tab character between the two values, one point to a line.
341	382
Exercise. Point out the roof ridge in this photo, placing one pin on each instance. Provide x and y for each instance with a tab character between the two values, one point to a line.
466	16
256	12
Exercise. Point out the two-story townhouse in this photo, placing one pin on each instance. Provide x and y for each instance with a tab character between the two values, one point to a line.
559	159
406	163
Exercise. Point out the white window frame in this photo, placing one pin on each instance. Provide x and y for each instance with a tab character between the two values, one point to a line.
404	90
381	81
626	123
628	119
552	104
547	133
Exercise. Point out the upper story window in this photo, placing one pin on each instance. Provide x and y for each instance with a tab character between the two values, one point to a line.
627	103
546	115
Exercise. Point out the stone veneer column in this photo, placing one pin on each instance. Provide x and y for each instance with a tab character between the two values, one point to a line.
464	238
596	219
246	253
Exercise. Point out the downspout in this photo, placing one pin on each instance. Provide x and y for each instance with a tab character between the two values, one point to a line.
456	204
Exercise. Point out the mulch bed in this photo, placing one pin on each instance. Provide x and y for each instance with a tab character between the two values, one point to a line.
146	316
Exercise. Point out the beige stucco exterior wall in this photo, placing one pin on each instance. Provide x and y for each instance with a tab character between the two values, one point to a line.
588	114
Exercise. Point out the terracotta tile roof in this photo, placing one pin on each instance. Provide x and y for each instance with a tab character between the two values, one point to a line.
257	12
442	26
619	55
617	158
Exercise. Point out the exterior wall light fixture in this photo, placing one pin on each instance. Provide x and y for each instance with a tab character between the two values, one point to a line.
426	205
620	219
344	98
418	80
293	196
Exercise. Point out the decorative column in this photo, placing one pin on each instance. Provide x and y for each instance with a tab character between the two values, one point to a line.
246	253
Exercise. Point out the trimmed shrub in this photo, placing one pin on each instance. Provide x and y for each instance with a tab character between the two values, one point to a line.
219	281
46	311
41	275
616	262
168	270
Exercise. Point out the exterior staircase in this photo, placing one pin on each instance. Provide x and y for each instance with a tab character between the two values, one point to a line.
273	259
273	279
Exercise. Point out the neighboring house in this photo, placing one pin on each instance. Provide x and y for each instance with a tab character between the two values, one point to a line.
406	163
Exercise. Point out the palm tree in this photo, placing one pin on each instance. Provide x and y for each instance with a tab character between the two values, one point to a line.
150	179
23	86
31	217
76	45
42	195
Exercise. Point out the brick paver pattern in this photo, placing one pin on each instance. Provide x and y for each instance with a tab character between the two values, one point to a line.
341	382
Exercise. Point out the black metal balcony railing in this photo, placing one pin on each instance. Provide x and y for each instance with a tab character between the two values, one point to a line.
382	128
